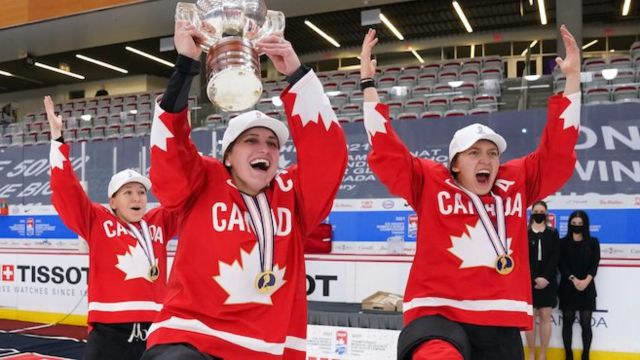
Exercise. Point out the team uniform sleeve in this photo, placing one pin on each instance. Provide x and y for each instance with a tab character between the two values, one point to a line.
68	198
551	165
321	149
177	169
390	159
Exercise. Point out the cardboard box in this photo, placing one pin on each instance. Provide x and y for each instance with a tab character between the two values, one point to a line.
383	301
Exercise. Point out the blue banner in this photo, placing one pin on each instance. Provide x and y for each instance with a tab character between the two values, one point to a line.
608	163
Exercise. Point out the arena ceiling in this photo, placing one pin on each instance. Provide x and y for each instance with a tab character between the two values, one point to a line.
104	34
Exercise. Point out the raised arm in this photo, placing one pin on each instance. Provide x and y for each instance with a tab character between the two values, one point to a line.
176	167
551	165
320	143
389	158
68	198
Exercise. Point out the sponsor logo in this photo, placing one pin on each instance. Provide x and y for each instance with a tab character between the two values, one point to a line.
7	273
366	204
388	204
42	274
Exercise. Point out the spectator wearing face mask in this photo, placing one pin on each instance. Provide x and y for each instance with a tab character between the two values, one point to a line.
543	260
579	259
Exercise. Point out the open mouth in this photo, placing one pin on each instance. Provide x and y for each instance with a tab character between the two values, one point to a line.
482	176
260	164
136	208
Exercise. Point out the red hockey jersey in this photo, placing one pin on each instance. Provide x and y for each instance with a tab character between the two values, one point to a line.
120	290
212	302
453	273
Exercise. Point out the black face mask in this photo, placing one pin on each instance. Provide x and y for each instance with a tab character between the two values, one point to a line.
576	229
539	217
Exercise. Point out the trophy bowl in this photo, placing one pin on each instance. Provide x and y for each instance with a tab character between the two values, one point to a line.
233	73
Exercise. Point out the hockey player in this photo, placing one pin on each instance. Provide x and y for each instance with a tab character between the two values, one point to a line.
237	288
469	291
127	251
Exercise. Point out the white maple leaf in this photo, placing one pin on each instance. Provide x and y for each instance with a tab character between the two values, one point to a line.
56	158
311	101
571	115
239	280
159	131
374	122
474	247
134	263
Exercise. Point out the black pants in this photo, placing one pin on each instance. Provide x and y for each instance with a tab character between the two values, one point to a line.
176	351
125	341
494	342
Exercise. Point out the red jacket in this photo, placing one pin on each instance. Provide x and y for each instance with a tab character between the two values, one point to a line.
453	273
119	290
212	302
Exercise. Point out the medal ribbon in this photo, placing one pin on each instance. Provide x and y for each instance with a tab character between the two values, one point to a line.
263	223
144	241
498	239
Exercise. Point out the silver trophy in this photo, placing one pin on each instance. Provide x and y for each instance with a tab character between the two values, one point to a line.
232	28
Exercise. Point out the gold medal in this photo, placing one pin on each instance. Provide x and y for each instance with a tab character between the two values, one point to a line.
265	282
154	272
504	264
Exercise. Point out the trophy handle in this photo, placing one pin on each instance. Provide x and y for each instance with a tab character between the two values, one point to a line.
189	12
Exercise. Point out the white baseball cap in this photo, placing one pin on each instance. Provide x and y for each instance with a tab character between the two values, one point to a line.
469	135
251	119
124	177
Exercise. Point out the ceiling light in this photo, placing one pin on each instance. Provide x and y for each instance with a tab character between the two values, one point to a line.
543	12
589	44
473	51
5	73
54	69
625	7
393	29
322	33
415	53
532	77
462	17
533	43
149	56
609	74
102	63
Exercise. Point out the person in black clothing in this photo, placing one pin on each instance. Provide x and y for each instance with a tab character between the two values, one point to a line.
578	264
543	259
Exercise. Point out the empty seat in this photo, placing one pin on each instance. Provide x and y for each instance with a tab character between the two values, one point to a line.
392	70
452	113
445	77
625	93
491	74
620	62
467	89
395	108
348	85
480	111
415	105
330	86
432	68
339	99
492	63
386	82
431	114
597	95
214	120
351	108
420	91
407	116
486	101
128	131
112	132
461	103
471	75
594	64
426	80
411	70
407	80
472	64
438	103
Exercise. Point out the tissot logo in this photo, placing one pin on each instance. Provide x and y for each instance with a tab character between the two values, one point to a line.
42	274
7	273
